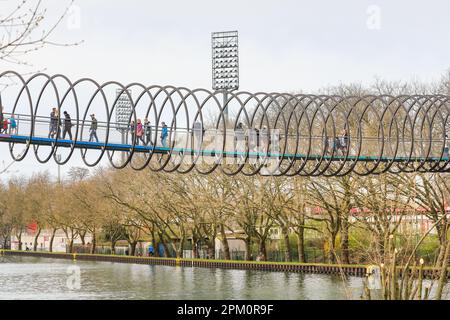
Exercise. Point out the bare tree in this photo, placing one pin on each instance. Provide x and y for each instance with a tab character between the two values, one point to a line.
26	28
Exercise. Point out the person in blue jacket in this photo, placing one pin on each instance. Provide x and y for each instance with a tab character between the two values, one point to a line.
151	251
164	134
12	125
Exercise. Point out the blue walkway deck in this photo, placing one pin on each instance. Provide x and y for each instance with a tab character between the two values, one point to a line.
161	150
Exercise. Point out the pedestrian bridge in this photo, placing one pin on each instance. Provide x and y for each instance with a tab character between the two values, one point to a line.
265	133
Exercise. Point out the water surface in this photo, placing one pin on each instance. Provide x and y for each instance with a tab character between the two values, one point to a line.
42	278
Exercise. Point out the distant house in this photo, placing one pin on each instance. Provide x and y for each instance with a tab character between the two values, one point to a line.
60	241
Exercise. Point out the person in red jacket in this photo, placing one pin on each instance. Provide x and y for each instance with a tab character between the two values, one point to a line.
140	132
4	126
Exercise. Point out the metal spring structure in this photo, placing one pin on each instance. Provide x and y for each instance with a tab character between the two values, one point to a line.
380	133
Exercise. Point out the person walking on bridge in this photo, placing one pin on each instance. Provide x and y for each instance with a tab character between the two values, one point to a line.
4	126
53	123
58	124
12	125
198	133
139	132
164	134
67	125
239	142
93	129
336	145
264	141
148	132
326	145
344	141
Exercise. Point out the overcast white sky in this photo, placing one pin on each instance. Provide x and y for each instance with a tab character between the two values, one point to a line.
285	45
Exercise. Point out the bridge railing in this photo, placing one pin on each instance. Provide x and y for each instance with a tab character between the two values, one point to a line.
306	134
250	139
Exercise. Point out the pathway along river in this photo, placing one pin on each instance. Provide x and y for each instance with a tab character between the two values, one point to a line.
40	278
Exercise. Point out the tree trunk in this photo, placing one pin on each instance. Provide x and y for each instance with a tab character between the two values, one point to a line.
133	248
113	246
287	245
224	240
344	241
380	246
180	248
300	231
52	239
19	238
35	242
195	252
166	248
194	246
153	242
441	230
156	248
211	250
248	249
301	244
82	237
262	249
443	272
71	245
5	241
94	243
331	248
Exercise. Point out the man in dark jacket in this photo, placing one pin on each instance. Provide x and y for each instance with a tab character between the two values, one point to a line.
148	132
67	125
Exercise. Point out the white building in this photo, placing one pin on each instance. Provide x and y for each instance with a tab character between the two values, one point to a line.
59	242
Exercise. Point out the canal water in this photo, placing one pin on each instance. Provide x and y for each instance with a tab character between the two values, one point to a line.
39	278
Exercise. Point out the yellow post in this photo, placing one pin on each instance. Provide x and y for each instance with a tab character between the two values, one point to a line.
74	257
177	262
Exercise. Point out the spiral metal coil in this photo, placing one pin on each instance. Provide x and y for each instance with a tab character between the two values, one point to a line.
382	133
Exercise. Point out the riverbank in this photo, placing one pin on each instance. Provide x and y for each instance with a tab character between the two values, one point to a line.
354	270
320	268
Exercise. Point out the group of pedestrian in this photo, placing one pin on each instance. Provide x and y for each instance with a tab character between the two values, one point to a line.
7	126
56	124
340	144
142	132
258	140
